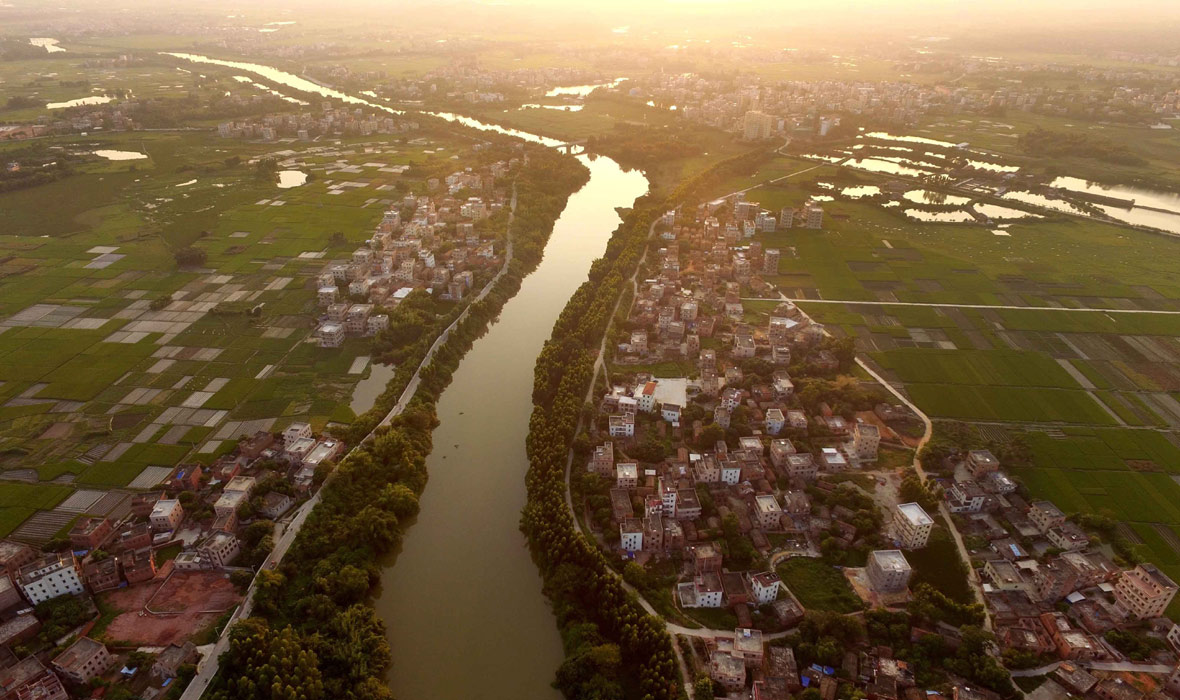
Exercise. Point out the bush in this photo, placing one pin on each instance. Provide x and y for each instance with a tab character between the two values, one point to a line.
190	257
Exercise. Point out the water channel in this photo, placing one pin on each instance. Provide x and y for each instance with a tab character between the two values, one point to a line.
463	604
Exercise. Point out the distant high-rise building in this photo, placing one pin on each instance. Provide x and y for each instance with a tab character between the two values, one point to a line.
770	261
813	215
756	126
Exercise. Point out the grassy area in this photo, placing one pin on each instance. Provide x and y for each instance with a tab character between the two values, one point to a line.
819	586
869	253
980	367
713	618
939	564
81	384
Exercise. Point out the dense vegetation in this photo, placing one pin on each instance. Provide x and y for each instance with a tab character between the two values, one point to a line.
1059	144
824	637
313	634
34	165
587	596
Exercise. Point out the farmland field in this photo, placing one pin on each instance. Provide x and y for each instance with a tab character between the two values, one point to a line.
1093	394
113	361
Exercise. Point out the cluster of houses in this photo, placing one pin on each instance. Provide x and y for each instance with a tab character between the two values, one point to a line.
437	242
308	125
29	577
1051	589
772	672
692	311
106	553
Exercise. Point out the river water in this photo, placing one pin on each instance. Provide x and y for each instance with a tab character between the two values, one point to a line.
462	603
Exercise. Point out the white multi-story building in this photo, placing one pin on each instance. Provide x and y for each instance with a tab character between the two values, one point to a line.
707	587
622	426
813	215
627	475
769	512
631	535
330	335
220	549
775	421
731	473
49	577
866	438
757	126
888	571
166	515
327	295
376	324
912	525
667	491
294	432
965	497
357	318
765	587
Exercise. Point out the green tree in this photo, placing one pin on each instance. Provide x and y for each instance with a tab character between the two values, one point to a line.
190	257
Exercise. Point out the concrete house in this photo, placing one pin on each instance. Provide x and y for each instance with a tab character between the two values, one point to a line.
83	660
912	525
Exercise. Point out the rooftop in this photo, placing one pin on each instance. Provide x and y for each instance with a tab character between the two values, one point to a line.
890	560
767	503
79	653
915	514
1048	508
1160	578
747	640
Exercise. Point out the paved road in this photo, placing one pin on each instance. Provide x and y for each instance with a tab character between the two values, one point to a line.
928	425
804	300
972	577
208	667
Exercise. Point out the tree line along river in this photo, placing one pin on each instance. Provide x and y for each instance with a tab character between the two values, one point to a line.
462	603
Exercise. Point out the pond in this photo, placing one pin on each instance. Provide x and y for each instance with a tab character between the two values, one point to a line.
291	178
582	90
995	211
365	393
932	197
1142	197
885	136
860	191
876	165
1041	200
92	100
942	217
50	45
560	108
119	155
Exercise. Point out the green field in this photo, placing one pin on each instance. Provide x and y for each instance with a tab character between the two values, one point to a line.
979	367
818	586
1008	403
73	380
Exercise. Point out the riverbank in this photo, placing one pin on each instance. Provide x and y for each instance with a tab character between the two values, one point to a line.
463	605
316	604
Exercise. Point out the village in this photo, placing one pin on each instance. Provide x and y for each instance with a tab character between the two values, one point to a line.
159	577
440	242
183	552
769	462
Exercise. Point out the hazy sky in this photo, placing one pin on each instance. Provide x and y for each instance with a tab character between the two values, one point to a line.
1047	26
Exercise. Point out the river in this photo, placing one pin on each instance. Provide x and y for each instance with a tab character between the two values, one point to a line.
462	603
